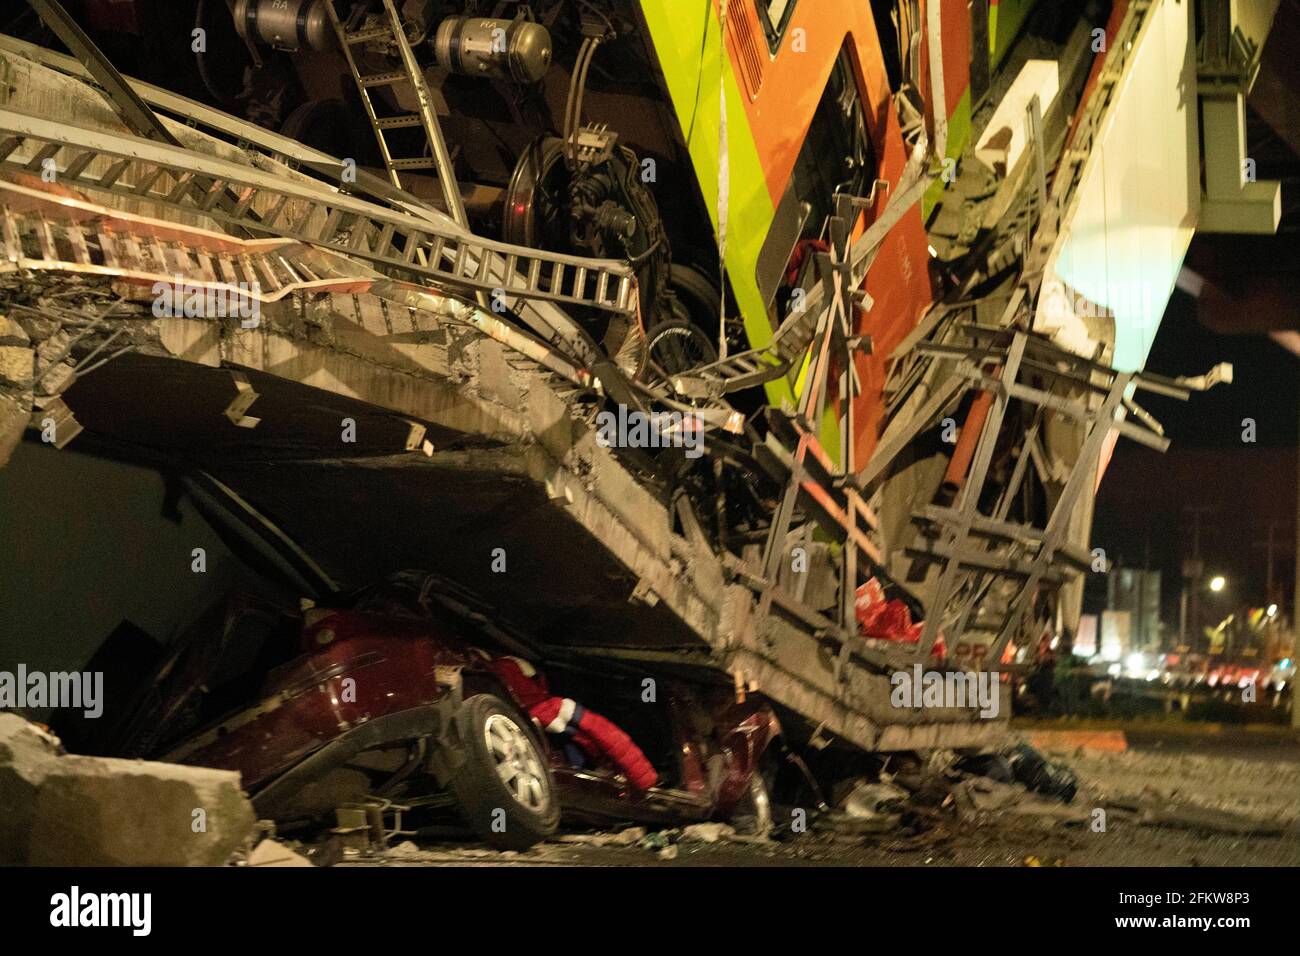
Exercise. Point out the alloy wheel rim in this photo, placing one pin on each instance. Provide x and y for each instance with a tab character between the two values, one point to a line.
516	762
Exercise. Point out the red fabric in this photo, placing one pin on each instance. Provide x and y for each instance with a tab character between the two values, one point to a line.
802	249
529	691
597	736
889	620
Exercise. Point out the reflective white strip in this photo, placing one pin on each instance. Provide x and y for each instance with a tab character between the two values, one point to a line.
562	719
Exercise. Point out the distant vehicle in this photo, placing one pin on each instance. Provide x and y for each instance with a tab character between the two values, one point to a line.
1282	675
390	695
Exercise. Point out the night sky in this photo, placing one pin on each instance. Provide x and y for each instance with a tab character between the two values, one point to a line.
1141	507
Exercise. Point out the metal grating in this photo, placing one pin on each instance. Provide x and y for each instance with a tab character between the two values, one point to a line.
748	45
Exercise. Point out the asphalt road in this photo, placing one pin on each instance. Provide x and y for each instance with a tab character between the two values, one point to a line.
1252	779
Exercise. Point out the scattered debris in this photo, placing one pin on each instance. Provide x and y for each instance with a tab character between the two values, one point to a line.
708	832
658	840
994	766
864	807
986	794
867	800
1037	774
627	837
1049	812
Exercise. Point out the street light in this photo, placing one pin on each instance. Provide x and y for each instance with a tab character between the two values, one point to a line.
1217	583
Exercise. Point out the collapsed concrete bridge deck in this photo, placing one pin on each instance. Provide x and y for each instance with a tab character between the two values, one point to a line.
377	425
587	560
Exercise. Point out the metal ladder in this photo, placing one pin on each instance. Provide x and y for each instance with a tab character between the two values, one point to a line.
42	232
310	212
791	340
753	366
437	158
103	244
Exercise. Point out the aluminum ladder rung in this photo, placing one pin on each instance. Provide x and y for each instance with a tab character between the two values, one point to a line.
424	162
399	122
382	79
365	36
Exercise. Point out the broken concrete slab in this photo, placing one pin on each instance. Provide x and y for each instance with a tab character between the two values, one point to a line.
64	810
27	754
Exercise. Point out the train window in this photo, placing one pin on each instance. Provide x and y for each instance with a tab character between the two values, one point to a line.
836	156
775	15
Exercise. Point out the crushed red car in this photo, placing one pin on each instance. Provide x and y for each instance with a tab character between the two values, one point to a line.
413	692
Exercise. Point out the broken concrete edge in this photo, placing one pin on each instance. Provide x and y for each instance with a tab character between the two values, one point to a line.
68	810
859	712
557	452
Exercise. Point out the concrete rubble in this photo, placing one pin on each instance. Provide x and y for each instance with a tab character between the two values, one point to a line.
67	810
707	832
272	853
627	837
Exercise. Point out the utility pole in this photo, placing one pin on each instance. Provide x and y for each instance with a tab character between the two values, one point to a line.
1295	616
1270	592
1194	572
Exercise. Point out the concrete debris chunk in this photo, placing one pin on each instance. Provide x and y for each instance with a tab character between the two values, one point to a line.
868	800
707	832
17	365
63	810
627	837
37	326
11	333
984	794
27	754
273	853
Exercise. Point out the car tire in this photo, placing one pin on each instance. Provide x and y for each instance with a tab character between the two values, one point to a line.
753	814
503	785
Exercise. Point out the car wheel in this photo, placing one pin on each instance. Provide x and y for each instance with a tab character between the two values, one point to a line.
503	785
753	814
